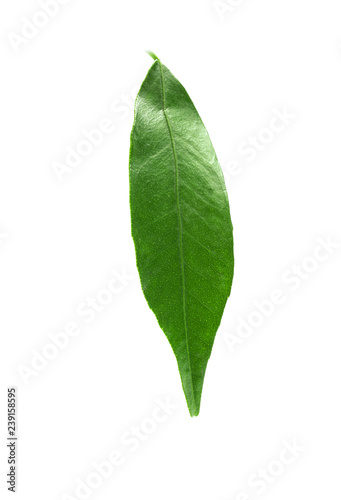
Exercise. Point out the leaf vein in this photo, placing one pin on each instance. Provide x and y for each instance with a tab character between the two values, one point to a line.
200	302
203	246
155	155
180	228
205	276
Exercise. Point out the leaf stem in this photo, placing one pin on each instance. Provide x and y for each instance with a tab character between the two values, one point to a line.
155	57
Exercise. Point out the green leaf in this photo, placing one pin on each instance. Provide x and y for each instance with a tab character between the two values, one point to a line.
180	222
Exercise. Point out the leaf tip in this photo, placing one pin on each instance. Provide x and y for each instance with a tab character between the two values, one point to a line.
194	409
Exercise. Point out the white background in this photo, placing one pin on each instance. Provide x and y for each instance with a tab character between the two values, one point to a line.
61	239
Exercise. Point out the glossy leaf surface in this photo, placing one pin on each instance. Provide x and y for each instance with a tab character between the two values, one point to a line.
180	222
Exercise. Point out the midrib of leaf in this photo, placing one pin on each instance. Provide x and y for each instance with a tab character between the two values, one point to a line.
180	226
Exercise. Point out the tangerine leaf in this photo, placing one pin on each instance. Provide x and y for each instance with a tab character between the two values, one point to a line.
180	221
